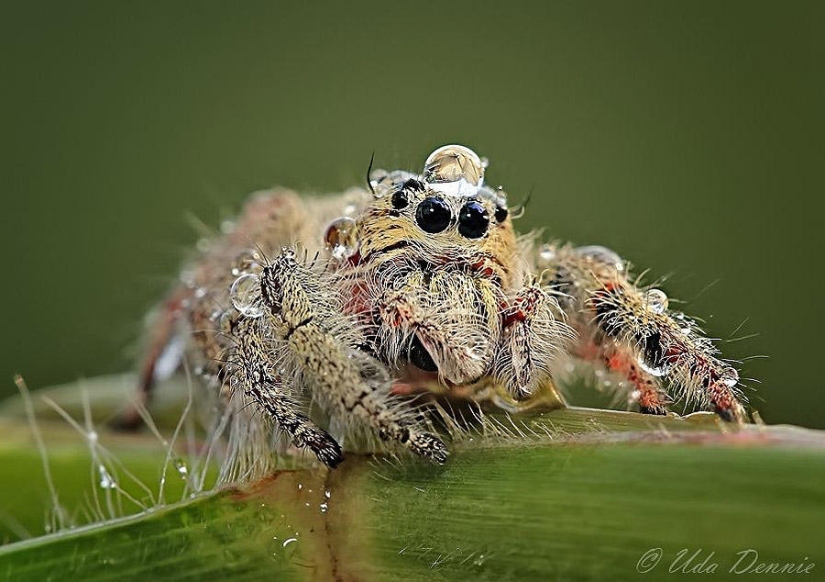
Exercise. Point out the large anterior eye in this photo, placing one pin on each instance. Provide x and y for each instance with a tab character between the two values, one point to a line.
473	220
433	215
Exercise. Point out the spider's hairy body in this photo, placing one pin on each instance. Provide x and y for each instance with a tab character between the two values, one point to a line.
342	303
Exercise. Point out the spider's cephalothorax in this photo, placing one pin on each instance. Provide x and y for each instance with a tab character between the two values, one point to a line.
342	304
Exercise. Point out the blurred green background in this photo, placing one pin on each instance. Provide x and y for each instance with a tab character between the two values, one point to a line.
686	136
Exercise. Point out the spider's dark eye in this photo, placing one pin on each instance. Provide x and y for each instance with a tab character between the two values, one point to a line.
473	220
501	214
414	185
433	215
401	199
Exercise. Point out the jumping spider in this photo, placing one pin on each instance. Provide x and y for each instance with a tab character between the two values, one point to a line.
341	303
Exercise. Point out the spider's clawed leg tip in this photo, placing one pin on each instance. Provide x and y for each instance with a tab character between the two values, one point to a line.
654	410
735	414
430	446
331	456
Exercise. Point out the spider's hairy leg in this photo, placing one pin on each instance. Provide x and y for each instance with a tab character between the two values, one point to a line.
534	334
253	371
637	334
322	350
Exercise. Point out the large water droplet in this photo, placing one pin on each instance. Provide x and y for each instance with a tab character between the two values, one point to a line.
656	301
245	295
341	238
451	163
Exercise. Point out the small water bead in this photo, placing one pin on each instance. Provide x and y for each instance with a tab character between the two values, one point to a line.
547	254
656	301
602	255
245	295
203	245
451	163
685	324
341	238
729	377
106	480
225	322
182	469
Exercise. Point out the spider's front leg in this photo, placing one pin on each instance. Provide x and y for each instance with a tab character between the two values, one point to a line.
632	331
320	348
534	333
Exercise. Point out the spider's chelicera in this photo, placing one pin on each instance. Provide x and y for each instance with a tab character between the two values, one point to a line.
324	312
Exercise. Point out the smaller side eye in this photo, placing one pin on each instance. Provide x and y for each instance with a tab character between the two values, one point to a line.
473	220
413	185
400	199
501	214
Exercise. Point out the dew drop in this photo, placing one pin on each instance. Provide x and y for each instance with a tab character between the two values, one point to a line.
452	163
106	480
685	324
729	377
181	467
656	301
602	255
245	295
225	322
341	238
547	254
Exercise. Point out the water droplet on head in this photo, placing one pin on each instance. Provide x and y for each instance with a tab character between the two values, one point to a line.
451	163
656	301
341	238
245	295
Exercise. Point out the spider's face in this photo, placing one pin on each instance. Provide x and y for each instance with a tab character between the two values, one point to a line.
444	215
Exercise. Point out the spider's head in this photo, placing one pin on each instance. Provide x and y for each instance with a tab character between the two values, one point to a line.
443	215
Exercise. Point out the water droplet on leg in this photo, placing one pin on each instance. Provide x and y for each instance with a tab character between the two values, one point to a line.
245	295
656	301
341	238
